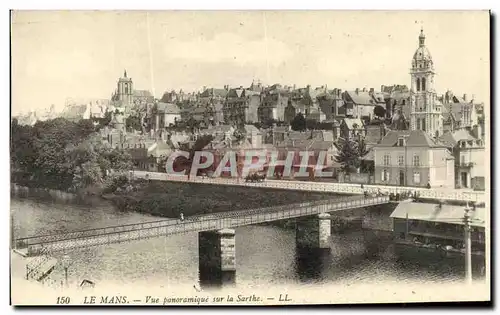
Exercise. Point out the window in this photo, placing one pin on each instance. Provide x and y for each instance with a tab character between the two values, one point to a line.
385	176
401	142
416	178
416	160
403	102
418	84
423	84
423	124
401	160
387	159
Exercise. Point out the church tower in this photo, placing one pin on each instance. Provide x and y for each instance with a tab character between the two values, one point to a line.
125	90
426	111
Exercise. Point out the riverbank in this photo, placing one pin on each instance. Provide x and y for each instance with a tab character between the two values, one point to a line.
88	197
170	199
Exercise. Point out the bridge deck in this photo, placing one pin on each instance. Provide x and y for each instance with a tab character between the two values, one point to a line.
123	233
434	193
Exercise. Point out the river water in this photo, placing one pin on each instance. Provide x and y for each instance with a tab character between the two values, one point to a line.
265	255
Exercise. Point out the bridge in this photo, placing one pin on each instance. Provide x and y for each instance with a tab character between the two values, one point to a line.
216	234
32	246
434	193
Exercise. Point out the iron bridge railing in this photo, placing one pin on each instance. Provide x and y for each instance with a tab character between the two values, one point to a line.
122	233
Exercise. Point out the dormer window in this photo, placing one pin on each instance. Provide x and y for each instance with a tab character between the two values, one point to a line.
401	142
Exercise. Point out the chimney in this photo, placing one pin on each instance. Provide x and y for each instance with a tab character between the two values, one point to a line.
382	88
472	98
357	90
294	87
372	91
364	89
465	98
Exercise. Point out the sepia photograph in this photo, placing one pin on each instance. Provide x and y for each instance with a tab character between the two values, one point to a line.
232	158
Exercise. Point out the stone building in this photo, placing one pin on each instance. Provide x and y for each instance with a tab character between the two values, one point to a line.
413	158
212	102
127	98
397	97
426	111
470	158
305	101
361	103
274	102
165	115
241	106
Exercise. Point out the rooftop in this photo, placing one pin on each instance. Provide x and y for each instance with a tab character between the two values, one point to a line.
432	212
414	138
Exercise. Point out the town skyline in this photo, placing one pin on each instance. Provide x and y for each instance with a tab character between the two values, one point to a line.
302	48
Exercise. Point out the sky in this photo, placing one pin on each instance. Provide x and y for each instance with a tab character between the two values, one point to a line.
81	54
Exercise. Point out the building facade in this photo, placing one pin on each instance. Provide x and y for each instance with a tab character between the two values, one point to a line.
241	106
470	158
273	105
412	158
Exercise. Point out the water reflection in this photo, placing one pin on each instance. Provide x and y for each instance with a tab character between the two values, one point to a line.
265	255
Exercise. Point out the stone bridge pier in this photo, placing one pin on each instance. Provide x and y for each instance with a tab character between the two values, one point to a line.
217	257
312	238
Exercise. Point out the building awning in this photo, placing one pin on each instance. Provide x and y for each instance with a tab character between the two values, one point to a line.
433	213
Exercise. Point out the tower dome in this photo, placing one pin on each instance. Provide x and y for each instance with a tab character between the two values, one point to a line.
422	57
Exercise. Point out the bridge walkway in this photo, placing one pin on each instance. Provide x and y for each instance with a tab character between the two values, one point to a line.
123	233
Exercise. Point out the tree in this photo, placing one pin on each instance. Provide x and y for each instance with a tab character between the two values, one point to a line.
348	156
312	124
298	123
61	154
361	147
133	122
89	162
379	111
240	134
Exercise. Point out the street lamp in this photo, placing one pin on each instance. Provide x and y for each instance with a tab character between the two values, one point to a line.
65	263
468	254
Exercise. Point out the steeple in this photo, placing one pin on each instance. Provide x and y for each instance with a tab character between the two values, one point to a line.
421	38
125	73
426	113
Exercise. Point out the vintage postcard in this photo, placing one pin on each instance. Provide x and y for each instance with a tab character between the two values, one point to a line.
249	157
